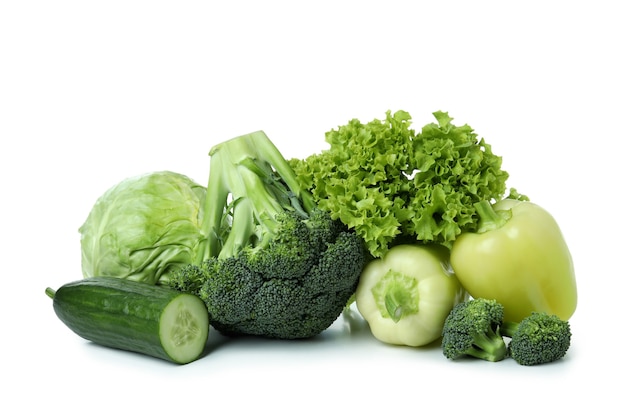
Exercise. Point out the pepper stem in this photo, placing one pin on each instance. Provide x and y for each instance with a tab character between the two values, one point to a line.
490	219
396	296
394	306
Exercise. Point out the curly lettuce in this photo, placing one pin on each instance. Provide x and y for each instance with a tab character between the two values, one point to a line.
391	184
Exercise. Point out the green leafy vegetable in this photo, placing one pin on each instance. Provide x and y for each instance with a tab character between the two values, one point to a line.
391	184
144	228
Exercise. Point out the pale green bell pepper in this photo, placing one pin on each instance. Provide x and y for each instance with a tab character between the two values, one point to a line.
406	295
518	257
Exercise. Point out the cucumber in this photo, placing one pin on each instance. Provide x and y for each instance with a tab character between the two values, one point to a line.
134	316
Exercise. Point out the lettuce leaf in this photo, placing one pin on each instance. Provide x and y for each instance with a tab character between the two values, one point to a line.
394	185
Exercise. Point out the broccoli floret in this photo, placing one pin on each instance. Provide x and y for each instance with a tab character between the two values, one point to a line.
188	279
273	264
473	329
537	339
344	256
228	286
323	229
289	252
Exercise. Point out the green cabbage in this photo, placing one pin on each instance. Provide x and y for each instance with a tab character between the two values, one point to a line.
144	228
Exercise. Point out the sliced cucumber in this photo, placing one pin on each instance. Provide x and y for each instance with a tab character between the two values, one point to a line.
134	316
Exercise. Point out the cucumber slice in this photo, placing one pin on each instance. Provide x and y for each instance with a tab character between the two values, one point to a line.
184	328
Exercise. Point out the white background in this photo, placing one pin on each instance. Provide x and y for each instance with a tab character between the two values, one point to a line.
93	92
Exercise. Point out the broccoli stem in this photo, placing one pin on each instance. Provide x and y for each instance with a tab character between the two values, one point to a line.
249	174
508	328
270	153
489	346
241	231
490	219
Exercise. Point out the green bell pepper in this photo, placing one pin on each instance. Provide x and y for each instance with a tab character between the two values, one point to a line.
519	257
406	295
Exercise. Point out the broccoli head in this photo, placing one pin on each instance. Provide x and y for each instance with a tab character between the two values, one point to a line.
473	329
537	339
242	301
273	264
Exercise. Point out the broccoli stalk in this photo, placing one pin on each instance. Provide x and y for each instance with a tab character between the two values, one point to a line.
537	339
473	329
244	181
487	346
273	263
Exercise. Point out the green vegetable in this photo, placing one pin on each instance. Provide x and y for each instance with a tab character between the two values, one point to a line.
519	258
406	295
134	316
473	329
273	264
143	228
537	339
388	183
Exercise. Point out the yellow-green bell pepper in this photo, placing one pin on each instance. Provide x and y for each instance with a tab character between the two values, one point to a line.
519	257
406	295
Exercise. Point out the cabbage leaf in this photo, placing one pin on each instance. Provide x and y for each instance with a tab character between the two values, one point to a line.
143	228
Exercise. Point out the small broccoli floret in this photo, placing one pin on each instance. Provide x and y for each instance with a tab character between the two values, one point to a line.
537	339
188	279
288	254
273	264
473	329
228	286
323	229
343	257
